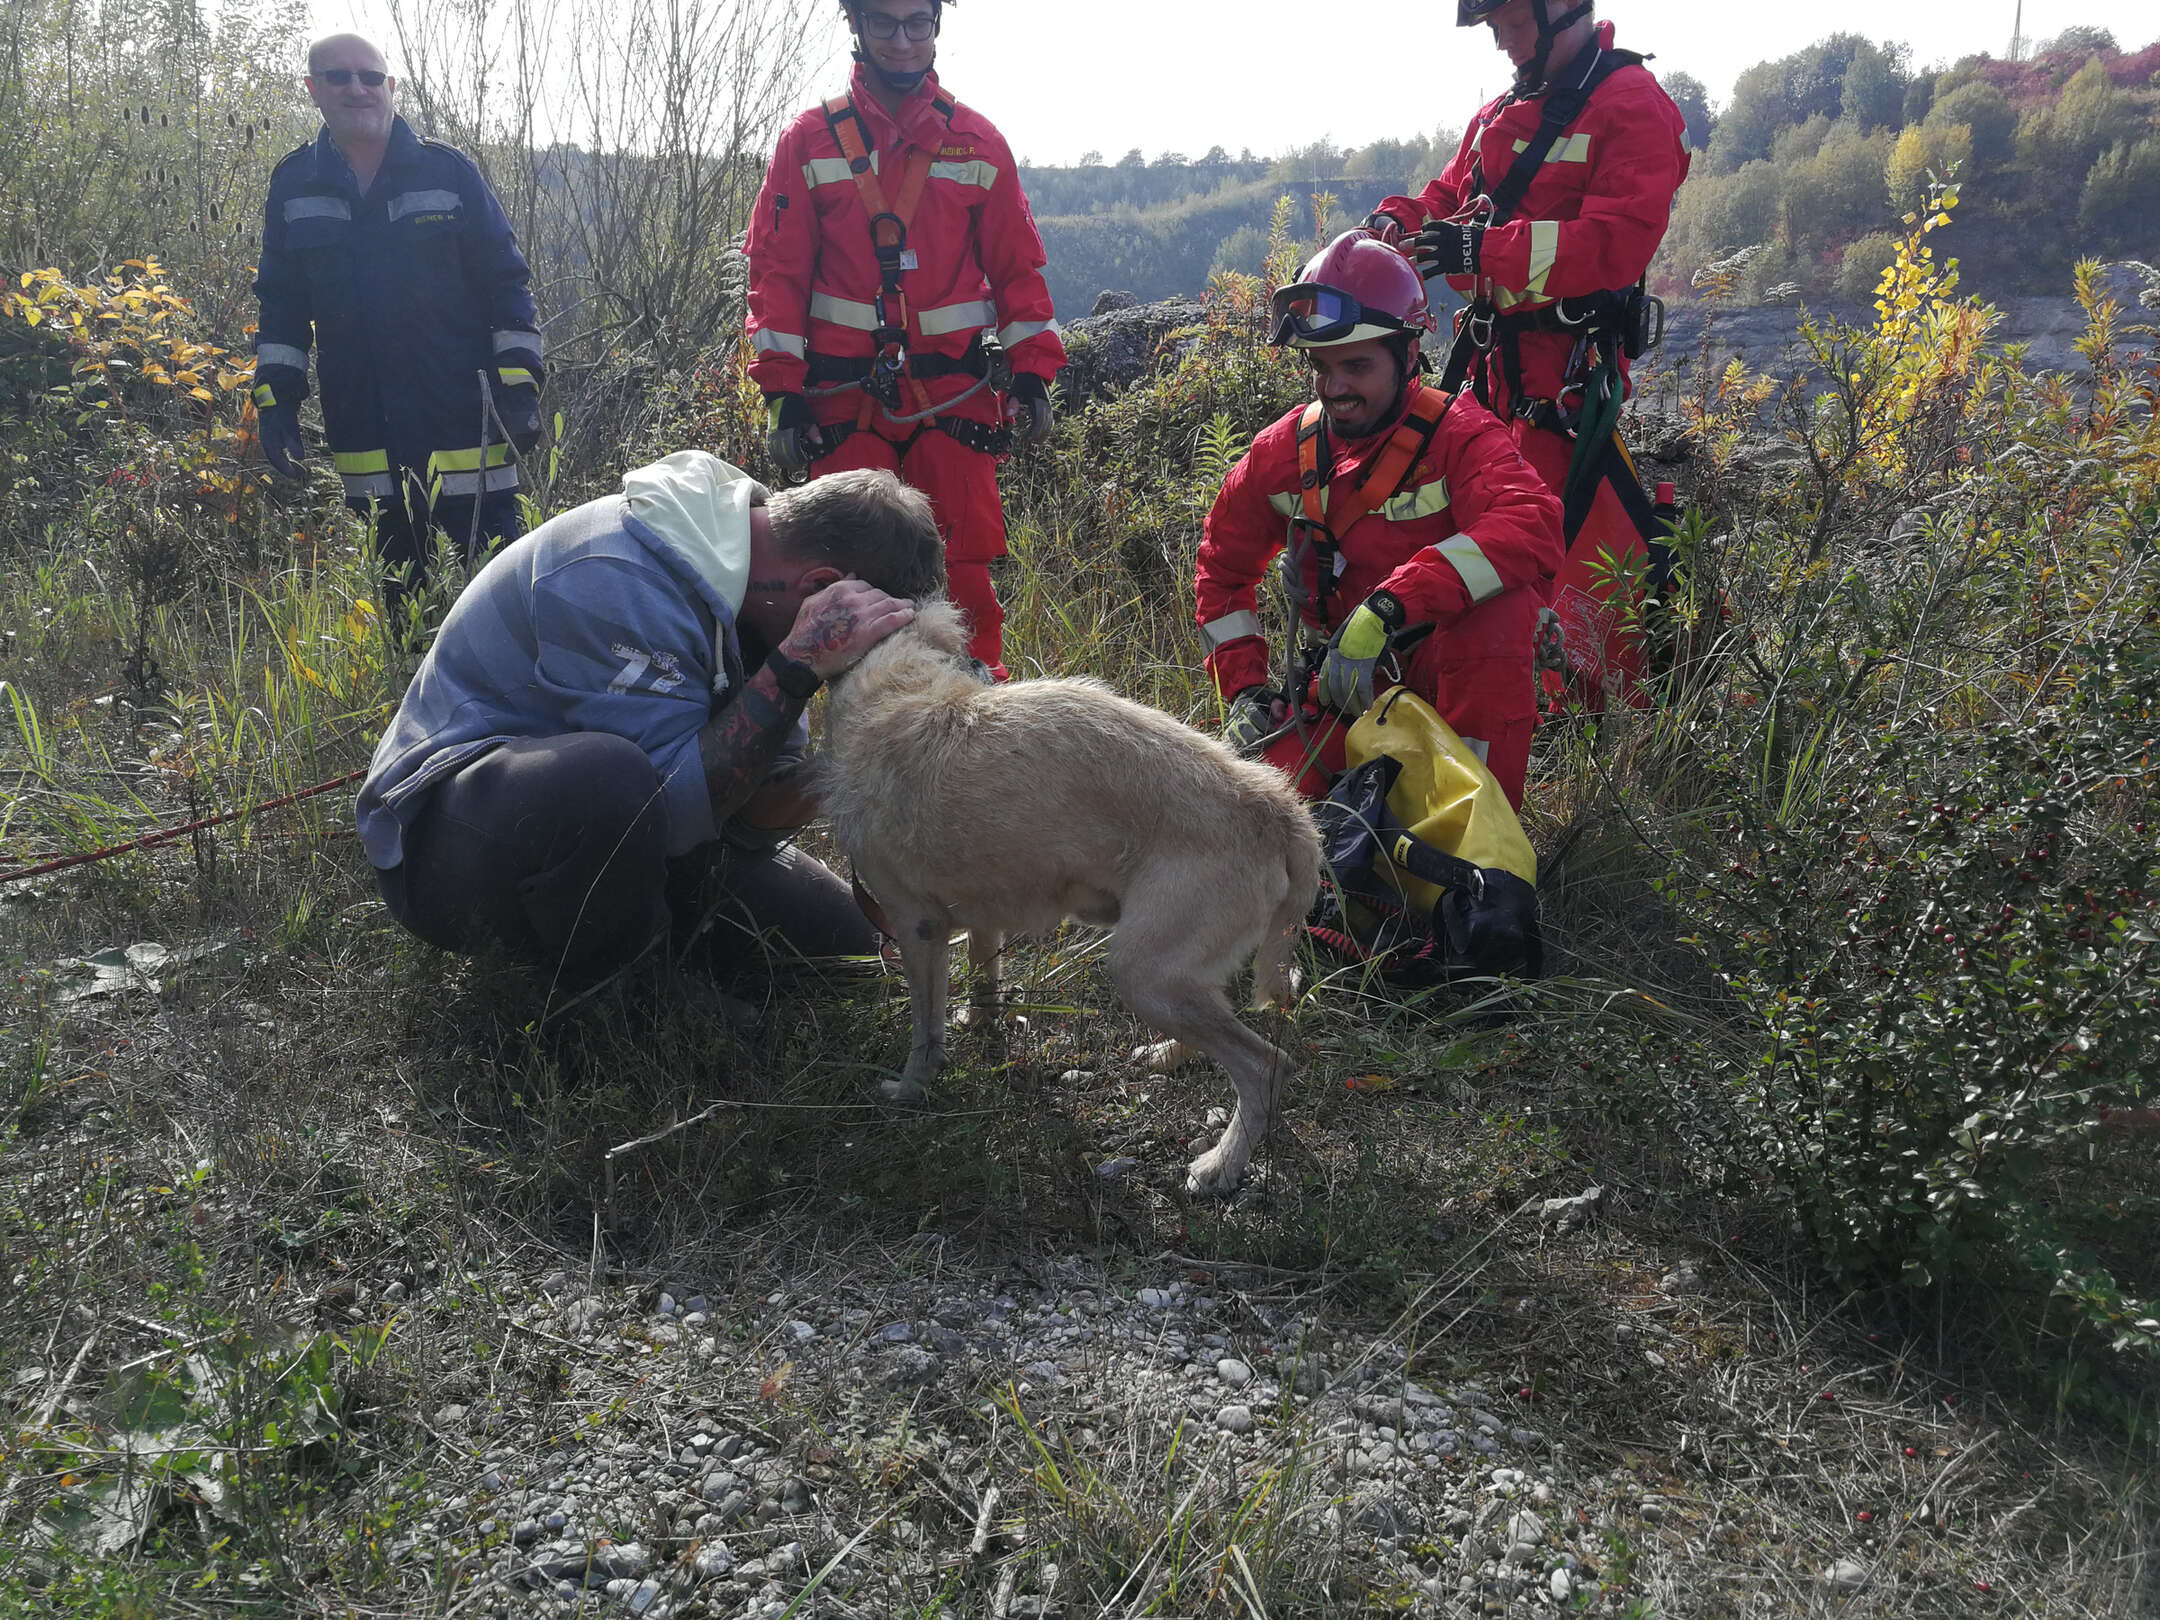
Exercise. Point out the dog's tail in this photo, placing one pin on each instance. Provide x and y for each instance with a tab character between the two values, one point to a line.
1274	982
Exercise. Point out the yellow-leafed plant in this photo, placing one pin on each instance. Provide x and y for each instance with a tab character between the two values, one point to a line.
1926	342
138	358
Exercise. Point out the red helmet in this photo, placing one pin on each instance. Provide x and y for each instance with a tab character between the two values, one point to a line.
1357	287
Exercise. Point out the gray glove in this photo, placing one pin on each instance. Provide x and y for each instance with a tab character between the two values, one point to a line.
1251	720
791	433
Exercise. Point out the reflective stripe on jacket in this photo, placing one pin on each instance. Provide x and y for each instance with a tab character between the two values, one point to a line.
978	259
404	295
1469	543
1594	214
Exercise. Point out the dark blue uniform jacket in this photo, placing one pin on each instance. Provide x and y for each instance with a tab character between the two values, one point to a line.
406	294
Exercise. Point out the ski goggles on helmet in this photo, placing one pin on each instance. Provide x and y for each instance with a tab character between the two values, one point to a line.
1313	315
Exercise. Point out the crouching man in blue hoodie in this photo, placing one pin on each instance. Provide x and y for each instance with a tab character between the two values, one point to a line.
617	699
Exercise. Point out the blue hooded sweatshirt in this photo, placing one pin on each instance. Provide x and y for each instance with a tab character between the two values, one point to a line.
616	616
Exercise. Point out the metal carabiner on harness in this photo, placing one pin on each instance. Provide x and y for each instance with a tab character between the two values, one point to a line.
882	381
893	256
1308	540
888	239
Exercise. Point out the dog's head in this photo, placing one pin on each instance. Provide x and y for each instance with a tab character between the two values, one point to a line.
934	645
941	624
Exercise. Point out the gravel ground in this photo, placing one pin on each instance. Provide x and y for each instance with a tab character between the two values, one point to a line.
686	1503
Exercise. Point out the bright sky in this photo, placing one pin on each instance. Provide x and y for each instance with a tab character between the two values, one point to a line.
1114	74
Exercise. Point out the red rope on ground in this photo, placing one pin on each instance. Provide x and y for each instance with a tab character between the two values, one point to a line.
166	835
1339	942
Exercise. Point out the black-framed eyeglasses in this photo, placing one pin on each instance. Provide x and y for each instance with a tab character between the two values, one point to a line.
882	25
371	77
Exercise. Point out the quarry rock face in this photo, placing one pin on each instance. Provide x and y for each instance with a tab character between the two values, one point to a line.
1112	350
1123	341
1763	336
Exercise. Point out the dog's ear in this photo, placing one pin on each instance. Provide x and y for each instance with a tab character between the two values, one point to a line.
940	623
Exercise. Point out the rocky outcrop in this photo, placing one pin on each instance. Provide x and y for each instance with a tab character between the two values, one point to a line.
1123	340
1764	336
1116	346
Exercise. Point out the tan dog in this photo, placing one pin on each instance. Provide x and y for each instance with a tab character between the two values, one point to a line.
1006	809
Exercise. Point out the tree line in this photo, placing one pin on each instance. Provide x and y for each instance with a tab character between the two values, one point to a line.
135	127
1812	162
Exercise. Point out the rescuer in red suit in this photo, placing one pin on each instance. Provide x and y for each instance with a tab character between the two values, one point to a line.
1552	266
1419	511
898	314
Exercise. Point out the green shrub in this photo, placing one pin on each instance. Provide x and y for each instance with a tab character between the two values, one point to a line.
1860	270
1915	845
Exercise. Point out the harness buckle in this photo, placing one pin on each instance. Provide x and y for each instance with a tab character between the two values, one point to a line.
882	381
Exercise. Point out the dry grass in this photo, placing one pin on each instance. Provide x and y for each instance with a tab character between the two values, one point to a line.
298	1123
318	1114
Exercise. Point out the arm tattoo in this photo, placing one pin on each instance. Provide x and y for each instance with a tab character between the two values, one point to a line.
740	742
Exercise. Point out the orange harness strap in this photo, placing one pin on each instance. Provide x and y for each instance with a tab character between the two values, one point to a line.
847	130
1405	445
888	239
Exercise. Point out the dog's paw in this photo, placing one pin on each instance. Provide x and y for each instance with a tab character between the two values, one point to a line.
1213	1175
1162	1056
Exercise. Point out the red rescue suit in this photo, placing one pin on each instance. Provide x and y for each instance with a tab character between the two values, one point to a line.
1468	543
1590	222
973	268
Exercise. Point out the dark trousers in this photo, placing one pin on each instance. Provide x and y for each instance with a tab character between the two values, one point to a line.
553	850
405	525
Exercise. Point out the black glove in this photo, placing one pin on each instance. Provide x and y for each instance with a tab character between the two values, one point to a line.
278	427
791	432
517	408
1032	395
1445	248
1251	720
1385	226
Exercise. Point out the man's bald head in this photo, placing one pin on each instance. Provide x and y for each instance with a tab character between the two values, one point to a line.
357	114
341	46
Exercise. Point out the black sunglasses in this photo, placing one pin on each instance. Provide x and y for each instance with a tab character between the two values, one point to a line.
371	77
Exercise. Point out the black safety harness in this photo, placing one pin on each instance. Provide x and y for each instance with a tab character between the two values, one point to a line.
1482	327
1605	325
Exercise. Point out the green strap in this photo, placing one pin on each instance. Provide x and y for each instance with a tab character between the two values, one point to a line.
1593	439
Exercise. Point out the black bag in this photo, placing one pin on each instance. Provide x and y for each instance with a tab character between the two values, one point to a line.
1485	924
